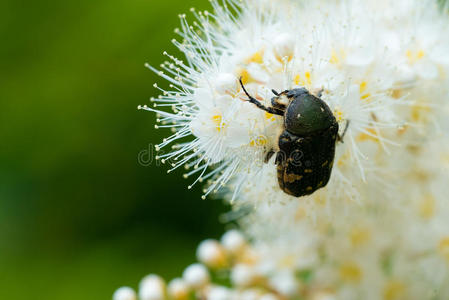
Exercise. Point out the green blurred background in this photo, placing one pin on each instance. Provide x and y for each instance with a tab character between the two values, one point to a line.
79	216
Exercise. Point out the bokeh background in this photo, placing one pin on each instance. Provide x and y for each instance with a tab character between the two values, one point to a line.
79	216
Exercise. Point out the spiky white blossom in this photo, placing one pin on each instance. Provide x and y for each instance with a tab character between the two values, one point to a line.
380	228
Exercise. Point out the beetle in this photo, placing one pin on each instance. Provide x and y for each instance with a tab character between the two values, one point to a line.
306	146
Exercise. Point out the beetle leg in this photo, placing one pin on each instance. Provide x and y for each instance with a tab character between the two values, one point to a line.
254	101
268	156
340	137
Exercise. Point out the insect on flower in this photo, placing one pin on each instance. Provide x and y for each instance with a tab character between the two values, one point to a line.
306	146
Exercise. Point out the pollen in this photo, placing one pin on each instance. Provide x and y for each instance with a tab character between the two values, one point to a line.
420	112
256	57
305	80
427	207
258	141
338	114
300	213
337	57
394	290
218	121
269	117
244	75
414	56
370	135
350	271
359	236
443	247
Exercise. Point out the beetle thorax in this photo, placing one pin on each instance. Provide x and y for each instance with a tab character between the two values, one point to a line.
307	114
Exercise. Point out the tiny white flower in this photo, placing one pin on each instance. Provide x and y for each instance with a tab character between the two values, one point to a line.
152	287
178	289
233	241
212	254
196	275
219	293
243	275
124	293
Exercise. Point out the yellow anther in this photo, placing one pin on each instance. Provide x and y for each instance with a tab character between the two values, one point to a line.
359	236
337	57
338	114
370	135
269	117
258	141
244	74
256	57
350	271
218	121
394	290
363	85
414	56
443	247
305	80
420	112
427	207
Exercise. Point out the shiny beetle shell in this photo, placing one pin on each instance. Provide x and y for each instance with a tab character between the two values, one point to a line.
306	146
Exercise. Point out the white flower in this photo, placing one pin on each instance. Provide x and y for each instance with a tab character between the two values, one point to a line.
233	241
379	229
196	275
124	293
152	287
212	254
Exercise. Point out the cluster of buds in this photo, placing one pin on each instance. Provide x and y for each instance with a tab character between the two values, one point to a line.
227	269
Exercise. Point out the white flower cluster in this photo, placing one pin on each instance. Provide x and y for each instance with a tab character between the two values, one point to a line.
380	228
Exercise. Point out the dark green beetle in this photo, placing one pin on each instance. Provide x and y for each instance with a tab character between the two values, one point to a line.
307	144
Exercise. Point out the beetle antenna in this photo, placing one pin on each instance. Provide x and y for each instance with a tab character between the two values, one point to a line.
251	98
274	92
254	101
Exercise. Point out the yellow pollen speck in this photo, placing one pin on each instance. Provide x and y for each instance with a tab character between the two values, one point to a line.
427	207
394	290
305	81
337	57
396	93
300	213
269	117
350	271
343	159
370	135
307	75
287	261
402	129
258	141
414	56
218	121
244	74
319	199
362	90
365	96
334	58
420	112
443	247
297	79
338	114
256	57
359	236
362	87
